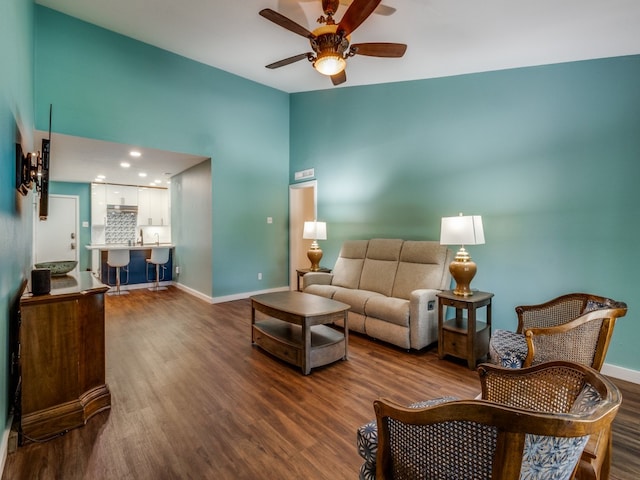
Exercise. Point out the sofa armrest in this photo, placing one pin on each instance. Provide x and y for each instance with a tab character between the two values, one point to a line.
316	278
423	317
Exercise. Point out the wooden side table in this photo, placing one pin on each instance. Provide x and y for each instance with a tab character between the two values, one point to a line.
461	336
303	271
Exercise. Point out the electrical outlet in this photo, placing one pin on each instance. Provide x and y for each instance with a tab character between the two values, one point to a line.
259	275
177	269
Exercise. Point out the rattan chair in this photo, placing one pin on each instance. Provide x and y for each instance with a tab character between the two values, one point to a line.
576	327
532	423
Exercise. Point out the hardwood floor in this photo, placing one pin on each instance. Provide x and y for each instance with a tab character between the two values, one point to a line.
193	399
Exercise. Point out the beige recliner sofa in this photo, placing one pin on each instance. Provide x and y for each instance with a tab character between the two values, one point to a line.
391	285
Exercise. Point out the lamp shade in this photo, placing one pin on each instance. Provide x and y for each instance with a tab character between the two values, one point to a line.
315	231
462	230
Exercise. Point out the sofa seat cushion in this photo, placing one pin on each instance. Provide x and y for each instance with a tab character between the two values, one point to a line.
393	310
322	290
357	299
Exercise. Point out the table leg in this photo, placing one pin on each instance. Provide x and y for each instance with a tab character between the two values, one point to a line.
306	348
440	332
471	338
346	335
253	322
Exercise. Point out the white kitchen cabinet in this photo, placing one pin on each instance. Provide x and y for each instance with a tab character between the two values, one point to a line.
122	195
98	204
153	206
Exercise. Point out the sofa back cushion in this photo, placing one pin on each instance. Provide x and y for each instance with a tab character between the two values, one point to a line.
348	268
422	264
380	265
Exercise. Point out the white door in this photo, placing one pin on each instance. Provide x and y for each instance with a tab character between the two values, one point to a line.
56	238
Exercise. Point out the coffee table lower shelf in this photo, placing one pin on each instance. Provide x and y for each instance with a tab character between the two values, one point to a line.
285	341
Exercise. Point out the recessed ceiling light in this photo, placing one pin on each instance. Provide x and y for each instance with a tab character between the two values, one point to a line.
98	179
142	174
125	164
157	181
135	153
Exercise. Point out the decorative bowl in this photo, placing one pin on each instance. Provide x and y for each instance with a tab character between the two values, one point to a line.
61	267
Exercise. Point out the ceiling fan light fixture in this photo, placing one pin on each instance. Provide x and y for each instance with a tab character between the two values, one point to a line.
330	63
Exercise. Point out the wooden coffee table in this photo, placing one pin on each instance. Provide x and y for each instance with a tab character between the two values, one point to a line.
296	331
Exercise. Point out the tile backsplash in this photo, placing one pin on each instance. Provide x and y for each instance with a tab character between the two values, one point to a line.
121	227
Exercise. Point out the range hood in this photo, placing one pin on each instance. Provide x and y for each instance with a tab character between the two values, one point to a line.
122	208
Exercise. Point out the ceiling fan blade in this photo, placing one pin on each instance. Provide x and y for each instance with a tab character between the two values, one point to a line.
287	61
380	49
357	13
285	22
339	78
380	10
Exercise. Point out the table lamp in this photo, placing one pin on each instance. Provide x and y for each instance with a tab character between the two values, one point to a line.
462	230
314	231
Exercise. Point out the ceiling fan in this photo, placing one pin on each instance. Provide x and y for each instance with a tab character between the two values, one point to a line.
330	42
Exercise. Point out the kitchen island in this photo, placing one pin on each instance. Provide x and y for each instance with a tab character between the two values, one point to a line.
140	273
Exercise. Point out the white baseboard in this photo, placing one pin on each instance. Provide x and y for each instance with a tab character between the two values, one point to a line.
193	292
621	373
226	298
240	296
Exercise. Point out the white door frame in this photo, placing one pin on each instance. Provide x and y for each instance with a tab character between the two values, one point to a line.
36	219
299	212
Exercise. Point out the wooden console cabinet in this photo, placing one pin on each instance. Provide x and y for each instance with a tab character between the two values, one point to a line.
61	357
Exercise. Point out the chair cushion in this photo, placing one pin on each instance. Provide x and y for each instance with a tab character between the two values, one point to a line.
587	400
540	452
508	349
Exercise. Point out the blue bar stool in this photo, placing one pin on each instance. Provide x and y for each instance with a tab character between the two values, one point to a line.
159	258
119	259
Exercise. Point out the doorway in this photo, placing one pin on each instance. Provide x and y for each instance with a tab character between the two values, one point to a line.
56	238
302	208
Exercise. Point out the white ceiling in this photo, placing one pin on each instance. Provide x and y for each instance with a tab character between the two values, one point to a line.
444	38
76	159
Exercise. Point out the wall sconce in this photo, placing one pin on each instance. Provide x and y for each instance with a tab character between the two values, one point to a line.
314	231
462	230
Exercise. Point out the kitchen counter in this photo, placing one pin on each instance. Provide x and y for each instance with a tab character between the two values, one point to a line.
123	246
139	272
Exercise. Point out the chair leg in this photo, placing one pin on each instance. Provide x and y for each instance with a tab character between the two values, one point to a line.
118	283
156	283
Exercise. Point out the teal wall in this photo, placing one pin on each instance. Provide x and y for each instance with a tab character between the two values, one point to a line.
191	227
109	87
16	124
549	156
83	192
